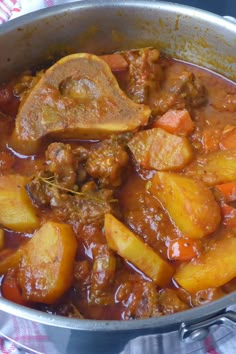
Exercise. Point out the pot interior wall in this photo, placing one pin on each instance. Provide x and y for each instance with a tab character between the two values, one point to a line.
103	27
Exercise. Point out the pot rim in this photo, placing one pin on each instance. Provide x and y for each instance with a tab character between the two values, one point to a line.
172	7
165	322
161	323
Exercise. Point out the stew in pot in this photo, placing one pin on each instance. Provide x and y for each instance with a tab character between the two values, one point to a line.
117	186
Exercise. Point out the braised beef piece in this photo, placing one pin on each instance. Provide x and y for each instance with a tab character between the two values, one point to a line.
82	275
169	302
42	190
145	74
149	82
61	164
186	91
139	299
72	206
81	208
106	162
203	297
102	275
66	308
75	182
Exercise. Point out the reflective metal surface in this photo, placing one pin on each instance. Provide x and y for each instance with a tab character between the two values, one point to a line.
102	27
194	332
105	26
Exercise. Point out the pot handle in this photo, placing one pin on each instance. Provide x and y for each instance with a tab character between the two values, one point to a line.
190	333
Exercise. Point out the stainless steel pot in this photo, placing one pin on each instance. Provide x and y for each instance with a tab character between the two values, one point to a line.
102	27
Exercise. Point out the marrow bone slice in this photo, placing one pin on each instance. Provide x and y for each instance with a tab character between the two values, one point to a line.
77	98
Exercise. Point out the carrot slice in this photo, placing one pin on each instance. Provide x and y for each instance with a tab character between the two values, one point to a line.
176	122
11	290
116	61
228	191
183	249
229	214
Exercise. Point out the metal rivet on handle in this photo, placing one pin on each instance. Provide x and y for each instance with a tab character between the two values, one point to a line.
198	334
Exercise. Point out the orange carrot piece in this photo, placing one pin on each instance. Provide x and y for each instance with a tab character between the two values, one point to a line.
176	122
183	249
229	214
10	289
228	140
228	191
211	139
116	61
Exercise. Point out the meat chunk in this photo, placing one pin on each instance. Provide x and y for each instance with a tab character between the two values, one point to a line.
78	97
84	209
67	308
106	162
170	302
82	275
186	91
68	189
102	275
87	206
145	74
203	297
139	299
61	163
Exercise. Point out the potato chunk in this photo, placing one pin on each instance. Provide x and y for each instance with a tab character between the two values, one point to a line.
159	150
16	210
129	246
214	168
78	97
9	259
46	268
190	204
214	268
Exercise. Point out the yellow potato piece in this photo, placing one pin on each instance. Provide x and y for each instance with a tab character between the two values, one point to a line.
189	203
129	246
16	210
77	98
214	168
46	268
159	150
10	261
212	269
